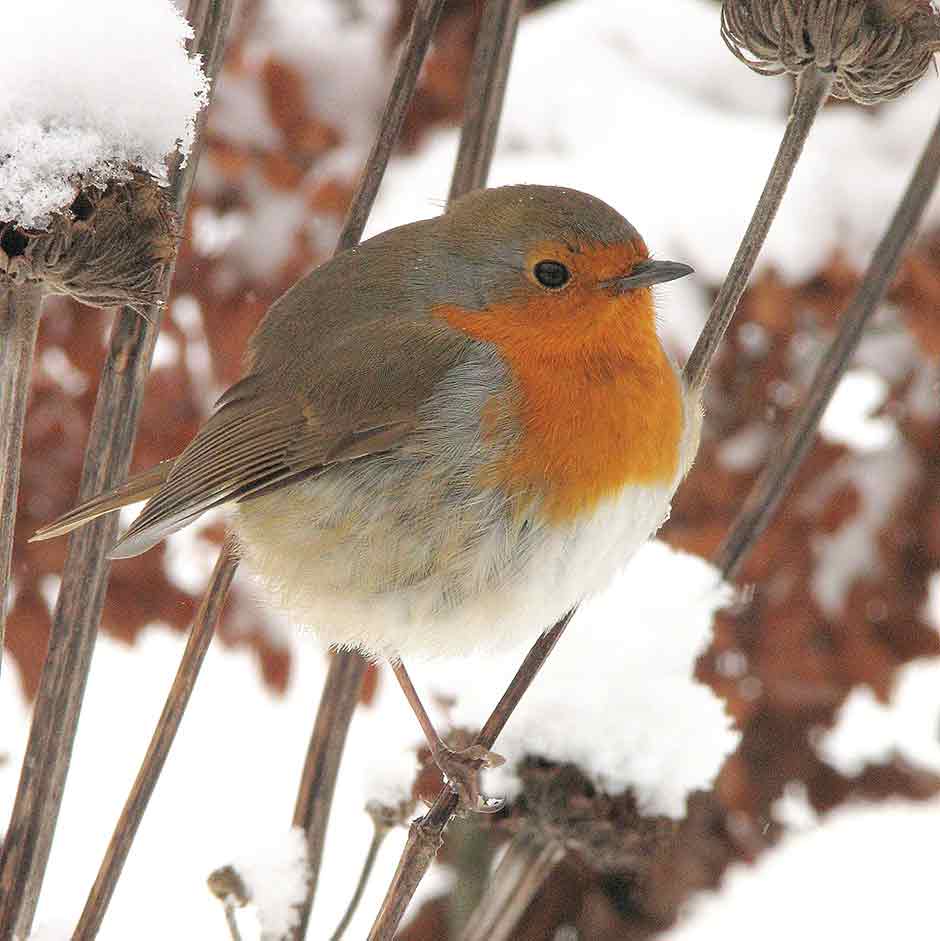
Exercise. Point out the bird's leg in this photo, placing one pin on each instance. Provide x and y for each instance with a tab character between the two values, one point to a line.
461	769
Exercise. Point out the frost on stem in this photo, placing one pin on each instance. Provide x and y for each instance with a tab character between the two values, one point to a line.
109	247
876	48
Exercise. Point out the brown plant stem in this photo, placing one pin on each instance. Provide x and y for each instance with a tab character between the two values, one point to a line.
812	90
229	888
489	73
196	646
412	56
318	780
381	829
19	325
84	579
774	480
424	836
528	862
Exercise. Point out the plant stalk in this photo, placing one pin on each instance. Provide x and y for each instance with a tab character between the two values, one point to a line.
489	73
528	862
381	829
85	575
424	836
200	635
775	479
19	325
812	90
318	780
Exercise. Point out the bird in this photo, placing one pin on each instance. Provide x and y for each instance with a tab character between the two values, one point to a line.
445	438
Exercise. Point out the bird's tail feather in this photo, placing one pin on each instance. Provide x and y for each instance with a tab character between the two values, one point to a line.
139	487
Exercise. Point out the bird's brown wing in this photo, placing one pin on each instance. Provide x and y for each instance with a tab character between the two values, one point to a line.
264	435
137	487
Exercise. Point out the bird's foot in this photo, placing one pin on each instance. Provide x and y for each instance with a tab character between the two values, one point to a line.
461	770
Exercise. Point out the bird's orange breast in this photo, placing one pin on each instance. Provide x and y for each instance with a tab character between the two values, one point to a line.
597	401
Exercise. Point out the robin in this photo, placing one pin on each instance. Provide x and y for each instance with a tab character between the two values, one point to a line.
446	437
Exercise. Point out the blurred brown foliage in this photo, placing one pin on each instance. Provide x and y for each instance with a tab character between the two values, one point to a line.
783	661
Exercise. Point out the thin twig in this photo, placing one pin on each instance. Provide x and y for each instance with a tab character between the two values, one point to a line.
492	55
411	58
228	907
424	836
528	862
19	325
812	89
229	888
85	575
382	824
315	795
775	479
196	646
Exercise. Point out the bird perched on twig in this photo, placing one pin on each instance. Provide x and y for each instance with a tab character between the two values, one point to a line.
446	437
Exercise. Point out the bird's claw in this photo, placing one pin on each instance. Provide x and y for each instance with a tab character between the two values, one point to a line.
461	770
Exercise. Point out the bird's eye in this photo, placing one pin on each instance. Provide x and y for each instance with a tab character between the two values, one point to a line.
551	274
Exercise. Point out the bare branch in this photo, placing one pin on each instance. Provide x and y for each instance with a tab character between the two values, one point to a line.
424	837
528	862
776	477
115	856
812	89
19	324
489	74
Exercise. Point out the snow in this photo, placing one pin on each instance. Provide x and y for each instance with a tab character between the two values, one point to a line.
868	872
881	479
320	40
226	795
617	697
867	731
89	90
932	607
849	419
276	875
793	809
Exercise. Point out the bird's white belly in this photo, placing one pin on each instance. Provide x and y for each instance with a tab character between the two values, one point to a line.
504	594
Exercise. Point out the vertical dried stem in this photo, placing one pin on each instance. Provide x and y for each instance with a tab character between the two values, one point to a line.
489	74
196	646
414	50
315	796
775	479
529	861
424	837
381	829
812	89
19	324
84	579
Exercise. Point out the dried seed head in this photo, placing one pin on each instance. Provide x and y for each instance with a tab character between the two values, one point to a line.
609	833
877	48
109	247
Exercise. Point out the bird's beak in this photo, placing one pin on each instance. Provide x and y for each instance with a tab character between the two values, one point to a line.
646	273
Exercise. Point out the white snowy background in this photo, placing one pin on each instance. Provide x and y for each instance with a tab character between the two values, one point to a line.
641	104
